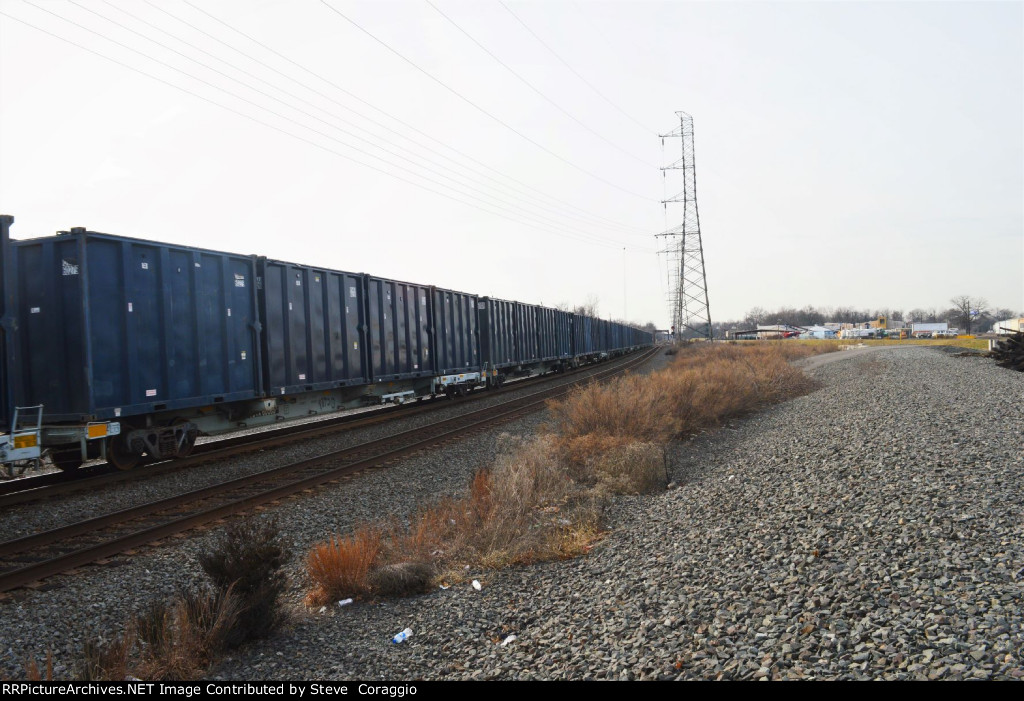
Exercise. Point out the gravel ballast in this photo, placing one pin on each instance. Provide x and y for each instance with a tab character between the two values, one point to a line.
871	529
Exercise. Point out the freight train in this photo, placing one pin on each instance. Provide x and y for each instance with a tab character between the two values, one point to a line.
116	347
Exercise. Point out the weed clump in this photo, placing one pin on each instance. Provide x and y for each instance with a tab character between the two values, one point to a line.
247	564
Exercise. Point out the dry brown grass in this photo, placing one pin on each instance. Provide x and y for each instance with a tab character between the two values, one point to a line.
544	498
704	386
170	641
34	674
339	567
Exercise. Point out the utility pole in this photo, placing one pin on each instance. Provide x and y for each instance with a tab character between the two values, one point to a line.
687	284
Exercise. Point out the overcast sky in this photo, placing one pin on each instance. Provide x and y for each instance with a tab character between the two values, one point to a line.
855	153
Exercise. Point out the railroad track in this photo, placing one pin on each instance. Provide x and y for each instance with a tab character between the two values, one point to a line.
33	558
29	489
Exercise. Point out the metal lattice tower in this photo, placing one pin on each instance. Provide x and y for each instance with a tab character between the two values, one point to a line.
687	284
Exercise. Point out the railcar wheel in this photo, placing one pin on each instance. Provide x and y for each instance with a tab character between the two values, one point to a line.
67	460
120	455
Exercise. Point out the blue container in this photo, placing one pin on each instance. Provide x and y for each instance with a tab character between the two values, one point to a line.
7	303
456	332
528	332
313	322
115	327
498	332
399	329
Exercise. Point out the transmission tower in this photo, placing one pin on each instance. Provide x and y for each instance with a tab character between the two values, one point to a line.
687	284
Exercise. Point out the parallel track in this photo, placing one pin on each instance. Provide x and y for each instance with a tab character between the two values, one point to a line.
29	489
30	559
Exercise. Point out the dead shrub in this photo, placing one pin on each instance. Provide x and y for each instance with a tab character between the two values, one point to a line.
636	468
339	567
104	660
180	640
401	579
249	561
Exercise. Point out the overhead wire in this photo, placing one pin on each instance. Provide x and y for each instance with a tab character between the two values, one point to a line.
479	108
522	185
470	186
574	71
279	129
535	89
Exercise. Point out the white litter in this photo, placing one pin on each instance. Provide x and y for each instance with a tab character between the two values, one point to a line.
344	602
508	640
476	585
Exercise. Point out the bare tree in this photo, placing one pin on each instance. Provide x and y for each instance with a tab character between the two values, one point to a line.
589	308
966	309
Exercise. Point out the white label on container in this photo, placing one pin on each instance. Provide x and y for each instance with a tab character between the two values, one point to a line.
239	280
34	310
145	265
243	355
355	345
298	283
68	267
316	278
416	366
346	309
352	291
229	311
117	411
289	306
282	390
302	376
150	392
199	265
129	306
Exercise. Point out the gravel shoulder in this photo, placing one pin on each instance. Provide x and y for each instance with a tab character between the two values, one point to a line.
871	529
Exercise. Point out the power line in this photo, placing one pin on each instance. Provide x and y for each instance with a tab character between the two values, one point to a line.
411	127
276	128
478	107
586	235
534	88
574	71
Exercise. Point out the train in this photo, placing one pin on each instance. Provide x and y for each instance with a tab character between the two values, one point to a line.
118	348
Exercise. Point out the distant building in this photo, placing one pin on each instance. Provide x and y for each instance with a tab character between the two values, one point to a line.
818	332
930	329
1007	327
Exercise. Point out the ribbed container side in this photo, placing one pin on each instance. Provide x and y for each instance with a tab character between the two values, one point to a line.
399	329
114	327
498	332
456	331
312	336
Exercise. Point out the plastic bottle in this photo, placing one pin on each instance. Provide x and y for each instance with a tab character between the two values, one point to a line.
402	636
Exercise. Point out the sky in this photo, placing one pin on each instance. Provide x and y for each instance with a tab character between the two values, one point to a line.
866	154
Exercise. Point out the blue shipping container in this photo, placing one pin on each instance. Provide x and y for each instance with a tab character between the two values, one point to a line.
115	327
312	328
456	332
399	328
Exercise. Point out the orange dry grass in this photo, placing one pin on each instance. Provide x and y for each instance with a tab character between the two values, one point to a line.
701	388
339	567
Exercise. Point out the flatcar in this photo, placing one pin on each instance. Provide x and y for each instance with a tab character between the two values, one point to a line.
118	347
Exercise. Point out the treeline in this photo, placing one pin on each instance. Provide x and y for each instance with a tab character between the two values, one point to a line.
966	313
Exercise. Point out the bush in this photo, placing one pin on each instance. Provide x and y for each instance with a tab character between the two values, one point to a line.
339	567
248	563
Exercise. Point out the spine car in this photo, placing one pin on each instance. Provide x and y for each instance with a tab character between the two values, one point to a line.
128	347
